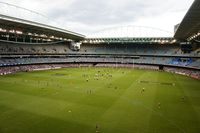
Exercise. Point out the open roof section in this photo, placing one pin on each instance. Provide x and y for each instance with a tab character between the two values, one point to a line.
131	31
190	24
35	27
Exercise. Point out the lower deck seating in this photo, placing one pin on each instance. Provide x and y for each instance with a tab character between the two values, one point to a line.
194	63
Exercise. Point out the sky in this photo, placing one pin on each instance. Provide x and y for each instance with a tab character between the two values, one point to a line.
92	16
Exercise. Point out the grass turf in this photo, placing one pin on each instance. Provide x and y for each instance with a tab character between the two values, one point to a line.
111	101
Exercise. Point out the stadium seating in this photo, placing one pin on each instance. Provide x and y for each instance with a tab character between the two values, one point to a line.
12	54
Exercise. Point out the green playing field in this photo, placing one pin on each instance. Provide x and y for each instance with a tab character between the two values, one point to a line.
104	100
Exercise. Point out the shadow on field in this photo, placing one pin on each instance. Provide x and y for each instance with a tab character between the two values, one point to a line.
18	121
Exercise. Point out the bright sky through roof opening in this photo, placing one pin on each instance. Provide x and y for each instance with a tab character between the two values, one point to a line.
91	16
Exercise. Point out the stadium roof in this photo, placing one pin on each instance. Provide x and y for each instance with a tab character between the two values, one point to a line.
132	32
151	40
190	24
27	26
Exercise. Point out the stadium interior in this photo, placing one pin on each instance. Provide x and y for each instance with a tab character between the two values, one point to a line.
23	42
28	46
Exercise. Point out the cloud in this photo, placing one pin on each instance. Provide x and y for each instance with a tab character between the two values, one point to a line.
87	16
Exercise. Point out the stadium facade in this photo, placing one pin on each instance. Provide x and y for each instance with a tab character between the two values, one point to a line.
28	43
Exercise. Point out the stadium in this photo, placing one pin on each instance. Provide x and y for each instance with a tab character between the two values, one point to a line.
128	79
